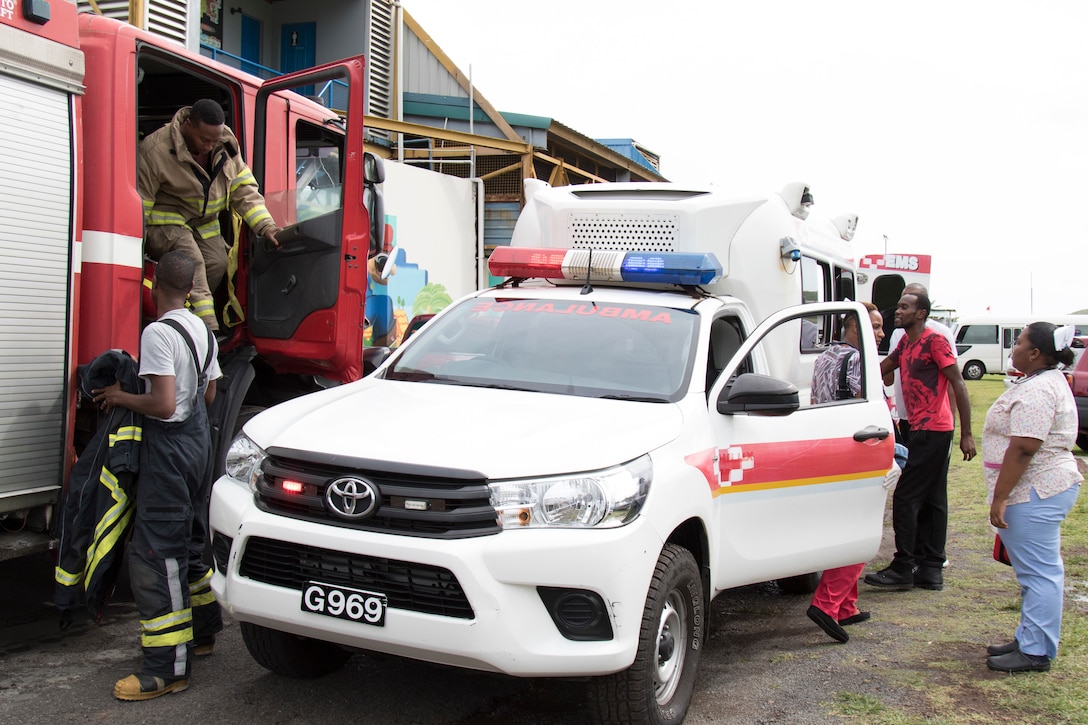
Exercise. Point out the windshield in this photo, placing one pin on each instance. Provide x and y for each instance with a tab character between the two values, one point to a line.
601	350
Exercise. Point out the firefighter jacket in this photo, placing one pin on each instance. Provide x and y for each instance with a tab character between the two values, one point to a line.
176	190
99	503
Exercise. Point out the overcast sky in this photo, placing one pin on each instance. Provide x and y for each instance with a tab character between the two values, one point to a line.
956	128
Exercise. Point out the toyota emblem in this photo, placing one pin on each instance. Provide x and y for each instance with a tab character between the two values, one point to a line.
352	498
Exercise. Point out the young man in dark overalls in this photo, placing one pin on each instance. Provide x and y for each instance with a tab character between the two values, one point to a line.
170	582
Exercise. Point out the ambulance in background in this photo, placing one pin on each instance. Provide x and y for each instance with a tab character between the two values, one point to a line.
881	279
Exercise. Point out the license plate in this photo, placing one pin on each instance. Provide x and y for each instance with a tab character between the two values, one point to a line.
346	603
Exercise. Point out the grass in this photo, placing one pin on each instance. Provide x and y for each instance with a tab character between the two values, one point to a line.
941	652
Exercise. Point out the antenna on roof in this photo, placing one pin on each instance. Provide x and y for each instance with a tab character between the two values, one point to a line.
587	287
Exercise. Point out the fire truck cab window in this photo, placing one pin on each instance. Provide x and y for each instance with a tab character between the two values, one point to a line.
318	175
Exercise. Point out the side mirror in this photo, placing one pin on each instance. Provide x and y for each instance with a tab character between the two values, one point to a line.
373	168
759	395
374	174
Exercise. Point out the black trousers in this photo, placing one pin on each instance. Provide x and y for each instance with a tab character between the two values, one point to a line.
170	581
920	502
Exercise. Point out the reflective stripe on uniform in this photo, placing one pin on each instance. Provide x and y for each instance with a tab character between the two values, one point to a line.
165	218
214	205
65	578
203	308
166	621
167	639
208	229
127	433
243	179
114	522
200	591
256	216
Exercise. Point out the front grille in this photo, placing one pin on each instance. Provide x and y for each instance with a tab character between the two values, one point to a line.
415	501
409	586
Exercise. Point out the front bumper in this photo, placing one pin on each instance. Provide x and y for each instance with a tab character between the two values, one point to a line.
510	630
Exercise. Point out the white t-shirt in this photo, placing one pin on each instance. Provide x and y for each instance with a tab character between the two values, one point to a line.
897	335
164	352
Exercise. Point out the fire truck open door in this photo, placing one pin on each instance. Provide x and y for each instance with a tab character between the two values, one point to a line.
306	298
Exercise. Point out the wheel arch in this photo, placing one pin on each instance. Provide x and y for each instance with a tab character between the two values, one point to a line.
692	535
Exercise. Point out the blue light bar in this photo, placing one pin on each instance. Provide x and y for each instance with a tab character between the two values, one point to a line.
688	268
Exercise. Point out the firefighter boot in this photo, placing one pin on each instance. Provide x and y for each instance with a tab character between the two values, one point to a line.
147	687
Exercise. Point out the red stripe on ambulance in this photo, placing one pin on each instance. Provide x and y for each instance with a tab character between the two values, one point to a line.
784	464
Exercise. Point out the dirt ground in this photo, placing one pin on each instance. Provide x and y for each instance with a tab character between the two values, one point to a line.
920	659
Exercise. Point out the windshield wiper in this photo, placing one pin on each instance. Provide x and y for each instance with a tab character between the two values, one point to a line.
635	398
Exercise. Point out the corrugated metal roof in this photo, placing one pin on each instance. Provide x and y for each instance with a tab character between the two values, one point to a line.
452	107
629	148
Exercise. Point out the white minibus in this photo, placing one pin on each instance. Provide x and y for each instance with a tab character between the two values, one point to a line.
984	342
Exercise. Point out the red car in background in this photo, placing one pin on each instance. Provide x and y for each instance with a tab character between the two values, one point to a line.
1077	375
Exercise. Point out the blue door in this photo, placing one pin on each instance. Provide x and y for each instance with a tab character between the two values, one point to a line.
297	42
251	45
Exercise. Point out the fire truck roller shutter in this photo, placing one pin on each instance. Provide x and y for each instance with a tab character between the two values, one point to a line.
35	248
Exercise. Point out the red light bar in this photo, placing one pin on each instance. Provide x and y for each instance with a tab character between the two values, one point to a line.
527	262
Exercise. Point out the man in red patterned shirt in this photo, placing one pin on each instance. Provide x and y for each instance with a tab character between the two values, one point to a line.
927	366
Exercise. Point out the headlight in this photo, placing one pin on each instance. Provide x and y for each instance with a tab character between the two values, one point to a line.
606	499
244	461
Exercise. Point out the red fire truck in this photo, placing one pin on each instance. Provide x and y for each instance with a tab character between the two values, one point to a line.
79	92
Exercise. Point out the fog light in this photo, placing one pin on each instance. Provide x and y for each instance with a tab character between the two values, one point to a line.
579	614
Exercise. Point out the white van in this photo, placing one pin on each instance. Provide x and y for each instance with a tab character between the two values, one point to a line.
984	343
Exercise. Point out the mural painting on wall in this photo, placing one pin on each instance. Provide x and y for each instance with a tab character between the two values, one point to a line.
211	23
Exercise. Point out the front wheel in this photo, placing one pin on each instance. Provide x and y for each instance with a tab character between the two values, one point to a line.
290	655
974	370
1082	441
657	687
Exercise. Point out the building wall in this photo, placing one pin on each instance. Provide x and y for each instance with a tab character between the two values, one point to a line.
340	26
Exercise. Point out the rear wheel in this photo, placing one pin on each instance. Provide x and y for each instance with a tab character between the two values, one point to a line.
974	370
290	655
1082	441
657	687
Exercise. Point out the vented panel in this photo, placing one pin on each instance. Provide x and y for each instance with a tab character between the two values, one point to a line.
630	232
169	18
379	64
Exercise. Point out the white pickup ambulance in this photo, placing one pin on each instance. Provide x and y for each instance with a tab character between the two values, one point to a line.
555	476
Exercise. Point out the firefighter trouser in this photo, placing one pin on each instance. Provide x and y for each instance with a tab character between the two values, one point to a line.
210	255
170	582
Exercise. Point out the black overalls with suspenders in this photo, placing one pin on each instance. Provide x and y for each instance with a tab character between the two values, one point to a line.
170	581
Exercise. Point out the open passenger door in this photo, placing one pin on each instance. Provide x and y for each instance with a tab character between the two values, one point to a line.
797	476
305	311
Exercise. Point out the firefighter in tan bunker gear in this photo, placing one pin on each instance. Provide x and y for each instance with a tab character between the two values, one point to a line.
190	171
